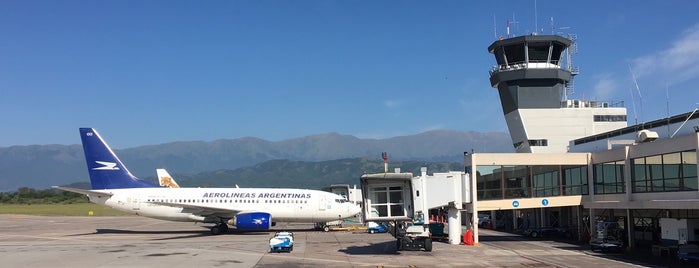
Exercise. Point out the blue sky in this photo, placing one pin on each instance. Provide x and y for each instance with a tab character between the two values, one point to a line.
150	72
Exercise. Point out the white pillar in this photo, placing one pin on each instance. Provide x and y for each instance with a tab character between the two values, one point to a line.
454	222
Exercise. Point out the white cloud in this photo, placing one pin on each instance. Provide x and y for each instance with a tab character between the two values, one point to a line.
676	64
391	104
604	87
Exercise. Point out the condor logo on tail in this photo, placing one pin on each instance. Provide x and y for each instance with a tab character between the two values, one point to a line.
106	166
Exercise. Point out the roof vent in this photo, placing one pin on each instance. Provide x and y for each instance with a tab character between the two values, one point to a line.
646	136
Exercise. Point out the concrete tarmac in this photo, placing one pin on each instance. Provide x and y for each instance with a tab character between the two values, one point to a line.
132	241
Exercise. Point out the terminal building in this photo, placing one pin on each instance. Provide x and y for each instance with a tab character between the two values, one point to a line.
577	162
578	169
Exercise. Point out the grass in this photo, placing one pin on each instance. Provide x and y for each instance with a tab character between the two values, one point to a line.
79	209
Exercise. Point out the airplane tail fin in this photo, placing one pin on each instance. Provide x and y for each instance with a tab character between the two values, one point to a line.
165	179
105	168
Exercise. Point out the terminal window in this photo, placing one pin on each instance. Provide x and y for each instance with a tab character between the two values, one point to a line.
538	52
575	180
543	142
610	118
388	201
514	54
502	182
670	172
517	182
489	182
546	181
609	177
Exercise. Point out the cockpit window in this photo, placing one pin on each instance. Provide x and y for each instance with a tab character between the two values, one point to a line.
341	200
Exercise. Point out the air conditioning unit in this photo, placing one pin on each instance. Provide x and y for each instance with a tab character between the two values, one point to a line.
646	136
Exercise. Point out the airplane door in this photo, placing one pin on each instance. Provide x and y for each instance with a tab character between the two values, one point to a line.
321	204
135	203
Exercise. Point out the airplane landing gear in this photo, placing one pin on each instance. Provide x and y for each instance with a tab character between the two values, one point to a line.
220	228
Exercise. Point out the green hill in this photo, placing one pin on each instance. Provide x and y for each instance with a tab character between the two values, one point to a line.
303	174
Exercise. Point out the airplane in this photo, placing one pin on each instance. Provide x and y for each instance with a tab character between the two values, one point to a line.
248	209
165	179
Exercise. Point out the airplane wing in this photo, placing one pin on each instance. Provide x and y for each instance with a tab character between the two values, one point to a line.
82	191
202	209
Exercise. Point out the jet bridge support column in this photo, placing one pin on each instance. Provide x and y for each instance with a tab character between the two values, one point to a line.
454	222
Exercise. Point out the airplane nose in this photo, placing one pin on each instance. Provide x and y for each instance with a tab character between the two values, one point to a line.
356	210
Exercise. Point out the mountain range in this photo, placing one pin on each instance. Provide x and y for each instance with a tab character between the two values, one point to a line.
252	161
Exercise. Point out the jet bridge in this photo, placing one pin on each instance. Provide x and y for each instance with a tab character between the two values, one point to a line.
404	197
387	197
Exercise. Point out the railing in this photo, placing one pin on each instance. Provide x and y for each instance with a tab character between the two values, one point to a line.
590	104
512	66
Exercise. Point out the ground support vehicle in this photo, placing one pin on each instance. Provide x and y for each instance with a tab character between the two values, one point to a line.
437	232
688	252
413	237
483	220
610	237
281	242
547	231
328	226
348	228
373	227
337	226
606	245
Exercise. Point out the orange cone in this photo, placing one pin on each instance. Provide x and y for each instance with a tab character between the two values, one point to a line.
468	238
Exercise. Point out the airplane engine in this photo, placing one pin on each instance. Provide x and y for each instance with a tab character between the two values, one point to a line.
252	221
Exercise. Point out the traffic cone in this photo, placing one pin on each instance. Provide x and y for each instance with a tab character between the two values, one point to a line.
468	238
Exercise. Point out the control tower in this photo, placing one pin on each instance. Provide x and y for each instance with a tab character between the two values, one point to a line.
531	82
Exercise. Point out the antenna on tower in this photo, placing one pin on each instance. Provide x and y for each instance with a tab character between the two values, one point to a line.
553	31
667	106
667	99
638	89
508	28
536	20
633	105
495	27
516	23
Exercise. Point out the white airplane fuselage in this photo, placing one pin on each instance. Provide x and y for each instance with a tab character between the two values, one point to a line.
185	204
